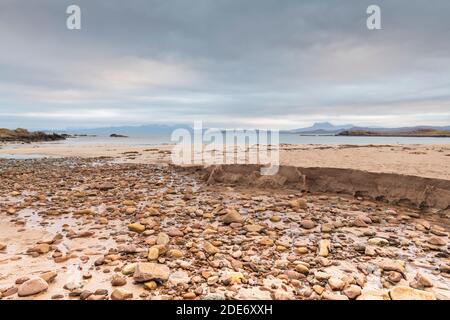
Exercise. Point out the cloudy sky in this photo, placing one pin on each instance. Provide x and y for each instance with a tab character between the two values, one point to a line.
230	63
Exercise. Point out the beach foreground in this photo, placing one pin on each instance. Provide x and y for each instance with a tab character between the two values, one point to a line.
93	229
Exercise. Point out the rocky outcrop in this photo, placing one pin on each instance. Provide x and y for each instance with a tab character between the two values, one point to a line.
23	135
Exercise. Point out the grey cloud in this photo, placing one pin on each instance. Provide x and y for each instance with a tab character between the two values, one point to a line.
224	62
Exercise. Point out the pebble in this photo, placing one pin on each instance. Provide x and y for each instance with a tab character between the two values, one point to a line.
153	253
136	227
146	271
32	287
232	216
352	292
324	247
121	294
210	248
407	293
308	224
118	281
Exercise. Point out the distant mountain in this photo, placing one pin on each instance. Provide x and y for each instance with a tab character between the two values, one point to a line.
401	129
321	128
326	128
396	133
130	130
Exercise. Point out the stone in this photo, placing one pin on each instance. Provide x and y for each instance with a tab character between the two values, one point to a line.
378	242
275	218
298	204
118	281
162	239
121	294
423	281
437	241
175	253
359	222
266	241
333	296
106	186
96	297
84	212
179	277
2	246
42	248
232	278
210	248
32	287
326	228
189	295
136	227
150	285
21	280
324	247
318	289
146	271
253	228
49	276
72	285
394	277
374	294
302	268
9	292
308	224
389	265
352	292
320	275
232	216
85	294
129	269
302	250
407	293
153	253
336	284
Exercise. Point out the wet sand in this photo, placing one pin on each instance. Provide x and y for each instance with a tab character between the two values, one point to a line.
93	229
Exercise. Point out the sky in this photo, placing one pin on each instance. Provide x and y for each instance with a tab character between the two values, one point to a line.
229	63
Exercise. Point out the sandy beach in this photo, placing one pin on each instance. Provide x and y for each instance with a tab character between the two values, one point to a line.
119	222
432	161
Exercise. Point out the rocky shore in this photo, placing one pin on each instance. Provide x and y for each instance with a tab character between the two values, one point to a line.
89	229
23	135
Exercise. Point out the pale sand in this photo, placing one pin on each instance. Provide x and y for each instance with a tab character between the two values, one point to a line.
431	161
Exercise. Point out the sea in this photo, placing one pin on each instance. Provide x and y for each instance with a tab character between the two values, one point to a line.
284	138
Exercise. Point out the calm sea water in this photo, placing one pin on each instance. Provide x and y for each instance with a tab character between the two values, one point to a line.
154	139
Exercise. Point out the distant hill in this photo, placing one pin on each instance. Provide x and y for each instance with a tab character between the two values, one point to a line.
326	128
396	133
321	128
130	130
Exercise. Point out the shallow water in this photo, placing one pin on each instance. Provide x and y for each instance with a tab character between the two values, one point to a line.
24	156
154	139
